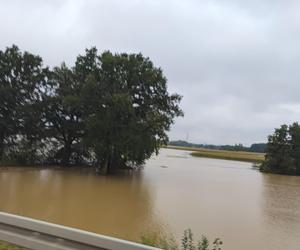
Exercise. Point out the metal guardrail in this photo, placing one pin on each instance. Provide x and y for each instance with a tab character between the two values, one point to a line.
40	235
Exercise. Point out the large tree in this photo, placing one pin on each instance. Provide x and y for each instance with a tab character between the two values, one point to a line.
294	131
108	110
129	108
283	151
62	116
21	75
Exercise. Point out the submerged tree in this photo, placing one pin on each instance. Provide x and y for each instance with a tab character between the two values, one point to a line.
62	114
294	131
21	77
109	110
283	151
128	108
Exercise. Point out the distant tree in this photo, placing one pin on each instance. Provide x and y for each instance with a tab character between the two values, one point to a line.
238	147
181	143
258	147
282	152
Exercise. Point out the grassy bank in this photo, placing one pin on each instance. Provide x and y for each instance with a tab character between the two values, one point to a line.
8	246
223	154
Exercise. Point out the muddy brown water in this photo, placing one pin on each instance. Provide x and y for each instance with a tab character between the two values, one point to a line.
247	209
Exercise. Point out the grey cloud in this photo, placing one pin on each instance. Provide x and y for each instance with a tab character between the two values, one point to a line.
235	62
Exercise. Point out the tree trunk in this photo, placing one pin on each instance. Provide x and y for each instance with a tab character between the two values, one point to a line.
1	147
1	151
113	161
67	151
104	169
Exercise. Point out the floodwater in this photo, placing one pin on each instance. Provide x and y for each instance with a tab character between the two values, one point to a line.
231	200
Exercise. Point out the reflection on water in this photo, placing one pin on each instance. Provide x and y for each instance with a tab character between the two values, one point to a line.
114	205
219	198
281	210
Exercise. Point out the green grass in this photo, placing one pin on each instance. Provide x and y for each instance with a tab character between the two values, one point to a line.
8	246
159	240
223	154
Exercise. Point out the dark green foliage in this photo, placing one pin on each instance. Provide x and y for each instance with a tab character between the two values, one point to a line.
127	108
62	113
21	77
283	151
294	131
108	111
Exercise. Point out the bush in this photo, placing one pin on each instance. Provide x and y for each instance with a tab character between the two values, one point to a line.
161	240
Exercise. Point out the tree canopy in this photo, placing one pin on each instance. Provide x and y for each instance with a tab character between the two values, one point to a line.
107	111
283	151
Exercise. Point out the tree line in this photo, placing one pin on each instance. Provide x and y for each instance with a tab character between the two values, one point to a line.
107	111
255	147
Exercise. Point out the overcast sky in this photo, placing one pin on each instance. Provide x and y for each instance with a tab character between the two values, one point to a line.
236	63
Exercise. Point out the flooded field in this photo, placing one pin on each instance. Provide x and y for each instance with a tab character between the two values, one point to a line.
247	209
